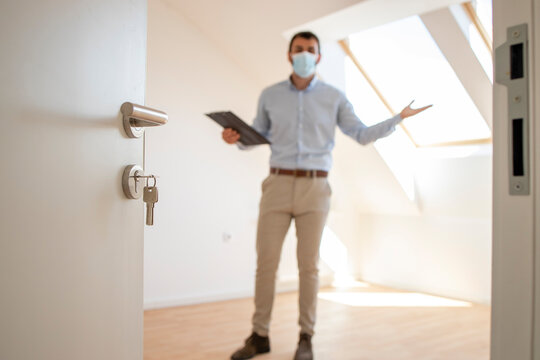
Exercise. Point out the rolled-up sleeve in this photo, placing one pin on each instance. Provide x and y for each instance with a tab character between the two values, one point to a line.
352	126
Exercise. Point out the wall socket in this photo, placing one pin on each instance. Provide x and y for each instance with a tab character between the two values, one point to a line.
226	237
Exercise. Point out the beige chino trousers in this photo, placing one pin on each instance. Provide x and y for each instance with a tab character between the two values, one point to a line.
285	197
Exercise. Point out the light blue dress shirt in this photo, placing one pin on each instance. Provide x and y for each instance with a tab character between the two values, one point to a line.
301	124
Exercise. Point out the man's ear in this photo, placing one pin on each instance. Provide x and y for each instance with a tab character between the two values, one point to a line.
318	59
289	57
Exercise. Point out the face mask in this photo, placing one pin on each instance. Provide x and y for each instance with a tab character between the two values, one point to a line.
304	64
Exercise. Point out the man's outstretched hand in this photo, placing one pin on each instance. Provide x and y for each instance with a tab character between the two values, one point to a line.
230	136
408	111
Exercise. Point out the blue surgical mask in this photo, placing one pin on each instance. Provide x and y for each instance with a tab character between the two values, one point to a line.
304	64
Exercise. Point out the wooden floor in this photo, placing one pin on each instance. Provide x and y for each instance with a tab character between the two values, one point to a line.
359	323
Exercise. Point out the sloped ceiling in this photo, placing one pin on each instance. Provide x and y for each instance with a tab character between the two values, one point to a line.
250	31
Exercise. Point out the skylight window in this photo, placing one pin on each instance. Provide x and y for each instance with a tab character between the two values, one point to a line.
405	63
482	10
397	150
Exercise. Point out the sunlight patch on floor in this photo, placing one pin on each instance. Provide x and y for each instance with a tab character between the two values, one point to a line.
348	282
390	299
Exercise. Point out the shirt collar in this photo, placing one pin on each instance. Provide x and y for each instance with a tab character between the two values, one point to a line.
310	86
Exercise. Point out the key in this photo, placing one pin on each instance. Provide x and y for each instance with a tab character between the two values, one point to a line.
150	197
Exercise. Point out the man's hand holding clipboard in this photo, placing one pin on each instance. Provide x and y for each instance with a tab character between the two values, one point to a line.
236	129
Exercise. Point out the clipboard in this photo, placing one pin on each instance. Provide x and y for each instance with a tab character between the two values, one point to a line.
248	135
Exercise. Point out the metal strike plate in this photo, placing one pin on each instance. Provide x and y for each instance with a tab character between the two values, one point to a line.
511	70
132	181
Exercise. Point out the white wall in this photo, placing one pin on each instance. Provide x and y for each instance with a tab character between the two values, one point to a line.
447	249
207	188
444	246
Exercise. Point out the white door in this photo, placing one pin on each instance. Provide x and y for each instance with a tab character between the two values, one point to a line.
516	238
71	245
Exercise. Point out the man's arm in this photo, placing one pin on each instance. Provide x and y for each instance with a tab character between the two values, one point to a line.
351	125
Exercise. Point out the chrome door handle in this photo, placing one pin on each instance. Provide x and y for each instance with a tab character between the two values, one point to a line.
137	117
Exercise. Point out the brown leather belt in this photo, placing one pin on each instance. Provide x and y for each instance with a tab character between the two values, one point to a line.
299	172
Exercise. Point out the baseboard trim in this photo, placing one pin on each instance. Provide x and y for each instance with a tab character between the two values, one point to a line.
193	300
283	285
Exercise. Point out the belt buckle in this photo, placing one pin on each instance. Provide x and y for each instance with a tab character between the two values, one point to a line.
310	173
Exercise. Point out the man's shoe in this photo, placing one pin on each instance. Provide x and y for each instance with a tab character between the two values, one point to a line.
254	345
304	351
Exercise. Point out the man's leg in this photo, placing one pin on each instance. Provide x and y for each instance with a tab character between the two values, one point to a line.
309	228
274	221
311	211
272	230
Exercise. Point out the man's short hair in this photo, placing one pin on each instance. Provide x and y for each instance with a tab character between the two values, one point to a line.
305	35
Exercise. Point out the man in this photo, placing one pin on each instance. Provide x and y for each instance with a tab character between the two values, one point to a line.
299	117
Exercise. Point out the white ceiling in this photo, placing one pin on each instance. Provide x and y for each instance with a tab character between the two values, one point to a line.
250	31
254	33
